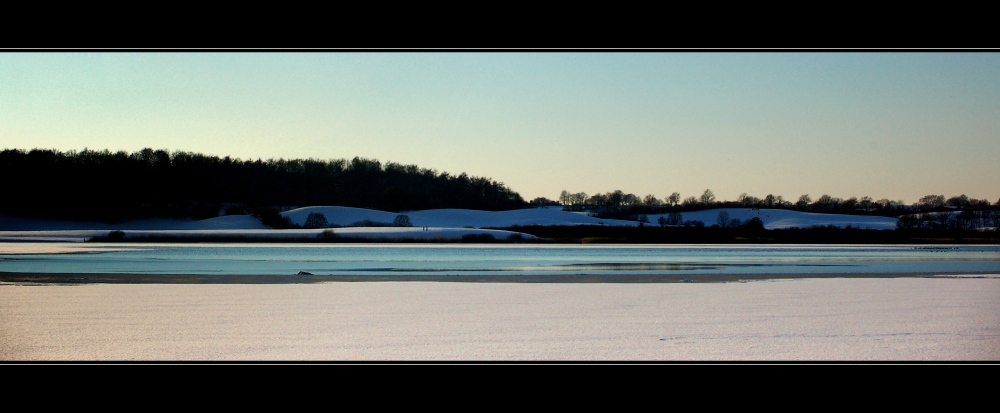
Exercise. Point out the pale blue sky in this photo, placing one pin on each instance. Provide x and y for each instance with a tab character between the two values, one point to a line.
896	125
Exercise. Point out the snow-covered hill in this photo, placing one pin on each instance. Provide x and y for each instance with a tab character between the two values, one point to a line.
783	218
437	223
454	218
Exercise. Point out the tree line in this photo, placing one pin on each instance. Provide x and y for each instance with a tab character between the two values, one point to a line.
617	203
116	186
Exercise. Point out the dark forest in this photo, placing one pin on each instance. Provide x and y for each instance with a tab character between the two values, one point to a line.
118	186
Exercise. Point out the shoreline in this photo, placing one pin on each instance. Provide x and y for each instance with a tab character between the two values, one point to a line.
112	278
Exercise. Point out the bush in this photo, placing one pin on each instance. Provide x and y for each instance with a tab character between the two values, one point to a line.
473	238
754	224
674	218
402	221
369	223
272	218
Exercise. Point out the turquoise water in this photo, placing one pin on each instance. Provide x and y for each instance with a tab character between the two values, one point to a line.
461	259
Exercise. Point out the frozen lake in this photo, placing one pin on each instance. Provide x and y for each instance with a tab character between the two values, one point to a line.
505	259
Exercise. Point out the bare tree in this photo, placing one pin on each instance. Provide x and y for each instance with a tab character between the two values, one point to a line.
930	202
769	200
961	201
804	201
631	200
675	198
722	219
850	204
651	201
615	198
748	200
707	197
866	203
598	200
742	199
826	203
675	218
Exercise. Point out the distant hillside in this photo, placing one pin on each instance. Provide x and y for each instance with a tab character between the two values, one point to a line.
117	186
548	224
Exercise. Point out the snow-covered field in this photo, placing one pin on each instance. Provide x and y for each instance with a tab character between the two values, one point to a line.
461	218
436	223
783	218
810	320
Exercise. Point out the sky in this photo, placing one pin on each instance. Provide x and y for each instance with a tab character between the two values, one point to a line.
890	124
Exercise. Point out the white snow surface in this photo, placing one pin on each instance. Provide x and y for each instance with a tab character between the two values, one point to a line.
812	320
436	223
